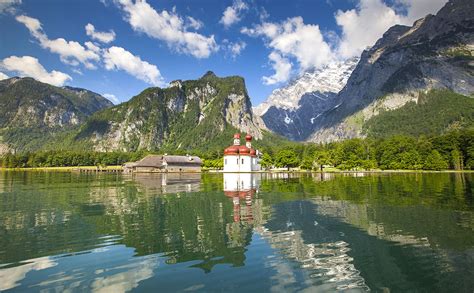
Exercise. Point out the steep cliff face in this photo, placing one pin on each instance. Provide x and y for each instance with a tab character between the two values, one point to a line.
290	111
30	109
435	53
188	114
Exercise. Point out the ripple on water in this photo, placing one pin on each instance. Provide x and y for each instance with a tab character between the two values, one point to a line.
327	265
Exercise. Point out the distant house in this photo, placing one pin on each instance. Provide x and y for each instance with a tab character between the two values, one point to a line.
182	163
163	164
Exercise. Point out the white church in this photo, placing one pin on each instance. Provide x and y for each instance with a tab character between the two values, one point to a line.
243	158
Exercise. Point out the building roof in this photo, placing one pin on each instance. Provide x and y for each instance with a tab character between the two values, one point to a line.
157	161
130	164
182	160
150	161
242	150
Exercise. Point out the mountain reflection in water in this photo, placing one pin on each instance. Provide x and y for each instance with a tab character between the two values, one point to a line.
236	232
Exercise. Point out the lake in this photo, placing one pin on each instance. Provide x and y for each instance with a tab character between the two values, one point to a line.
236	232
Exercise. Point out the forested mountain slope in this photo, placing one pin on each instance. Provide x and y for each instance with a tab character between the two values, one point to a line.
31	111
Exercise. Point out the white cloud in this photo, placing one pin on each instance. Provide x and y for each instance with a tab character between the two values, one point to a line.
364	25
420	8
234	48
70	52
3	76
112	98
233	14
32	24
282	68
77	71
8	5
104	37
193	23
293	39
361	27
93	47
168	27
30	66
117	58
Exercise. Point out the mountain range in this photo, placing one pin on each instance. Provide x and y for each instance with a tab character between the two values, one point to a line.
290	111
416	80
407	62
200	114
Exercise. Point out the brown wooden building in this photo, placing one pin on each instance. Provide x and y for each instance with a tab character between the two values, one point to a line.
164	163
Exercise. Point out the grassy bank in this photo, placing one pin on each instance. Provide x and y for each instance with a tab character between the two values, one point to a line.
66	169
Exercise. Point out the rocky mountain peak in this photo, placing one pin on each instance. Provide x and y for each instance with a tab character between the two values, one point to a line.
187	114
209	74
329	79
176	83
290	111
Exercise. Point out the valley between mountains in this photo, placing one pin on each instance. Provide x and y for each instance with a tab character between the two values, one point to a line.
416	80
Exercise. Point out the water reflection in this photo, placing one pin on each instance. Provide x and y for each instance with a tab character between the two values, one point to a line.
241	188
167	183
11	276
327	262
245	232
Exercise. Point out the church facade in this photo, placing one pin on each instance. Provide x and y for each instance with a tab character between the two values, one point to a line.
241	158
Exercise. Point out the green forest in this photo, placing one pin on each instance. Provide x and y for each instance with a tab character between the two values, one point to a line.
453	150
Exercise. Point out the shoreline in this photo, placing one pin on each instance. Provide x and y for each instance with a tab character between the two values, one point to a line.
118	169
67	169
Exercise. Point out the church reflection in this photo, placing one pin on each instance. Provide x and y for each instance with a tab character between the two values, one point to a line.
242	189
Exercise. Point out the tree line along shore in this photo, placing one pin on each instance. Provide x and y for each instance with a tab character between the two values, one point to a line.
451	151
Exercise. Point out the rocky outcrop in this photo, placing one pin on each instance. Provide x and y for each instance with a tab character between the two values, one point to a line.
435	53
353	125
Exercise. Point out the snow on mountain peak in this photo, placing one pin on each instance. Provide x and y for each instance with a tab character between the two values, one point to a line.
332	78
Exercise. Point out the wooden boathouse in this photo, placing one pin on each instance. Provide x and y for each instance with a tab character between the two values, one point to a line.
164	164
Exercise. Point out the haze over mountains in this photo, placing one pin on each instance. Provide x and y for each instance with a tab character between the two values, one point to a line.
414	80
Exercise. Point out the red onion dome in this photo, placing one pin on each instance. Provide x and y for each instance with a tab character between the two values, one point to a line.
253	152
248	137
243	150
232	150
237	136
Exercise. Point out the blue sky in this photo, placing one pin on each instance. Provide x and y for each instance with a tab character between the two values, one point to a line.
121	47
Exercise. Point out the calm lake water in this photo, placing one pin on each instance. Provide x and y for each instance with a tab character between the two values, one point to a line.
245	233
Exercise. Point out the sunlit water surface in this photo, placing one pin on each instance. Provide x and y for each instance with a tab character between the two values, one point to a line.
245	233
